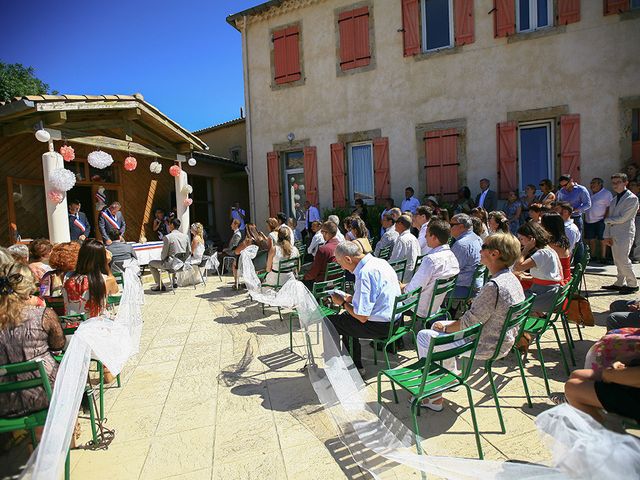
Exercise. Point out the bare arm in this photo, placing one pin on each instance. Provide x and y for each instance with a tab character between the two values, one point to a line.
272	252
622	375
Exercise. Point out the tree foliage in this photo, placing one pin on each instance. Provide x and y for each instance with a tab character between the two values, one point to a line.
16	80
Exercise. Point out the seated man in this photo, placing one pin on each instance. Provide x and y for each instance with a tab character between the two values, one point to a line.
324	255
336	220
317	240
570	228
406	246
120	251
390	235
421	222
624	314
368	311
467	251
173	243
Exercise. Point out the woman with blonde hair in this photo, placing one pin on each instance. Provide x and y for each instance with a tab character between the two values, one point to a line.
283	249
272	225
197	243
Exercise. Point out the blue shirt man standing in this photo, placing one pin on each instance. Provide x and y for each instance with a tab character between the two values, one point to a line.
575	195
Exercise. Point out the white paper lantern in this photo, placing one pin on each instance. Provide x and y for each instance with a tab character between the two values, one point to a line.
301	188
187	189
99	159
296	197
43	136
192	162
62	179
155	167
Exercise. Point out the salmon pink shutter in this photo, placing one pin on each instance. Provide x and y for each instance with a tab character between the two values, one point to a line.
570	145
311	174
273	181
286	55
338	175
507	145
568	11
441	169
354	38
613	7
411	27
381	177
464	25
504	18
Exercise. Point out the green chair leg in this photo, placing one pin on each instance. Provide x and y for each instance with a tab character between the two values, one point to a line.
564	358
579	328
524	378
475	423
544	370
291	333
415	413
101	390
118	380
494	391
569	337
386	355
88	393
67	466
280	314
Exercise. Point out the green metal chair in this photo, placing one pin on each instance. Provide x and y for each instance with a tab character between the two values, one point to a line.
400	267
427	377
419	261
286	266
333	271
442	289
464	302
536	326
32	420
576	279
516	318
385	253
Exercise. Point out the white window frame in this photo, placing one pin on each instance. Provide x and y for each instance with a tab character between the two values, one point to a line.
549	124
533	16
423	18
350	146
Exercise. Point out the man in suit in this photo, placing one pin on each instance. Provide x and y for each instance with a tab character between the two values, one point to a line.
79	227
111	219
120	252
487	199
174	243
619	232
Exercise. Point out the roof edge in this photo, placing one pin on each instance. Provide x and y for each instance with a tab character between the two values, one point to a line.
263	7
228	123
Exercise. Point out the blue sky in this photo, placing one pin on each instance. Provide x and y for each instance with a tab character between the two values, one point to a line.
181	55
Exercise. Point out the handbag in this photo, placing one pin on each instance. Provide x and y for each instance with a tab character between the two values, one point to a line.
579	311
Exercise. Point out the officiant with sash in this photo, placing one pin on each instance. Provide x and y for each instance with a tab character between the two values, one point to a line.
79	227
111	219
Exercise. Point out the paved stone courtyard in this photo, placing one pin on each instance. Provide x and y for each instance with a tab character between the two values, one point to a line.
215	393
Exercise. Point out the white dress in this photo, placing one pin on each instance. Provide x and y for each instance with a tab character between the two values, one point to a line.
191	276
272	276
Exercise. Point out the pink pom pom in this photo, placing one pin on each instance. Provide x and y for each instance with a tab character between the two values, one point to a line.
67	153
55	196
187	202
130	164
175	171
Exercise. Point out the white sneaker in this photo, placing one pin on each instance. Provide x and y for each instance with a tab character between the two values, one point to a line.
427	403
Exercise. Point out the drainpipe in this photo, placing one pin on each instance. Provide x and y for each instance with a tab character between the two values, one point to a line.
247	108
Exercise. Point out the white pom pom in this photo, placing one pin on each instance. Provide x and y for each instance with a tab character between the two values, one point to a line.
43	136
187	189
62	179
99	159
192	162
155	167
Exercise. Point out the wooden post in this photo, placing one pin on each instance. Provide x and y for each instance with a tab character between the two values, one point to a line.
57	214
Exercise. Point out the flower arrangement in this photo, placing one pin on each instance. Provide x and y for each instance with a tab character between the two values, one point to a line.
62	179
187	189
187	202
67	153
155	167
55	196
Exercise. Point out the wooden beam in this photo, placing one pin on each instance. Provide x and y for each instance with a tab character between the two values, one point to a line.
51	119
140	130
177	130
95	124
74	106
132	115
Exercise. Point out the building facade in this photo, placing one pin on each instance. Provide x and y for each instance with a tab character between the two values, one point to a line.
361	99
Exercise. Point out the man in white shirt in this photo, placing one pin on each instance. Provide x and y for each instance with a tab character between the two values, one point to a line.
317	240
487	198
336	220
390	235
282	220
406	246
388	205
570	228
410	203
312	214
439	263
594	217
421	222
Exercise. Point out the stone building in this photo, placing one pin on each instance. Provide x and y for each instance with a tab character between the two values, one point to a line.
350	99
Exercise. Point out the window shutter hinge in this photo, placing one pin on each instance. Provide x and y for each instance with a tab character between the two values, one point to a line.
494	9
401	30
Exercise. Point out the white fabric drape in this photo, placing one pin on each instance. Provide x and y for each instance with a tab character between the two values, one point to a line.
361	174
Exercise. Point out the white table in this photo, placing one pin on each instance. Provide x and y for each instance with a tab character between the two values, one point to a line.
147	251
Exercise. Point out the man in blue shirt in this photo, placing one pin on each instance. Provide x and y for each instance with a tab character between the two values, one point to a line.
367	313
467	251
410	203
575	195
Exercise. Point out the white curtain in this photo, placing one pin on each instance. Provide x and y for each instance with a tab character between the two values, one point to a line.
361	174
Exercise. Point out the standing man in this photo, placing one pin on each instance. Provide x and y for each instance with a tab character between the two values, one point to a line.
575	195
487	199
421	222
467	251
406	246
79	227
239	214
619	232
111	219
410	203
173	243
311	215
594	217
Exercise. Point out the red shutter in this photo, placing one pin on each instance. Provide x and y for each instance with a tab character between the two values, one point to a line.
381	177
613	7
411	27
568	11
273	180
354	38
507	157
311	174
441	169
463	15
570	145
635	153
286	55
338	175
504	18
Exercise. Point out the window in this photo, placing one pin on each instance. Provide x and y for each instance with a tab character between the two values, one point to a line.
535	147
635	135
437	24
360	172
203	209
533	14
354	38
235	155
27	209
286	55
294	185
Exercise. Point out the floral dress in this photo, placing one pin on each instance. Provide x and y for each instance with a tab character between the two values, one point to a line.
76	297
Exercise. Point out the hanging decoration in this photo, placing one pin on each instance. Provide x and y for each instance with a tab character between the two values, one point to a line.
192	162
301	188
130	163
55	196
187	189
101	198
62	179
43	136
99	159
187	202
175	171
67	153
155	167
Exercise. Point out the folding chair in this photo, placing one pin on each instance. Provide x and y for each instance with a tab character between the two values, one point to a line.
334	270
182	256
285	266
400	267
442	289
385	253
464	302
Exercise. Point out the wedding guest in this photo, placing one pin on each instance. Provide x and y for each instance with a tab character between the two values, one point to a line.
39	253
20	253
406	246
239	214
479	228
498	222
174	243
388	205
624	314
346	224
282	250
160	226
513	211
317	239
79	227
272	226
410	203
121	252
466	249
553	223
360	234
292	223
283	220
594	217
487	199
635	247
528	199
547	197
575	195
390	235
536	210
63	259
421	222
463	203
336	220
197	243
324	255
482	215
570	228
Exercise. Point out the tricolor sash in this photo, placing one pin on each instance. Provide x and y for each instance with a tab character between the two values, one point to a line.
105	214
79	224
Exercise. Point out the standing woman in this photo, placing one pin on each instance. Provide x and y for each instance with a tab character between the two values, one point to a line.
547	197
283	249
498	222
554	225
513	209
528	199
463	204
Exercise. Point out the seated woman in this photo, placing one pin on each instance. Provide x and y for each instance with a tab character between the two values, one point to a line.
62	260
39	252
498	222
197	244
346	223
272	226
282	250
482	215
554	225
360	234
499	252
543	264
26	333
262	241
